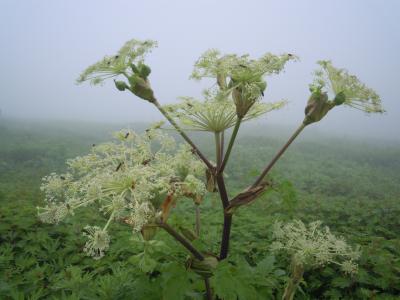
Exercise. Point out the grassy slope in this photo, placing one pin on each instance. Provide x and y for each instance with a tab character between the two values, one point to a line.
353	186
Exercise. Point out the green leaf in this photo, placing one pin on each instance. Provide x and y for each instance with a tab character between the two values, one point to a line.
341	282
229	283
143	261
175	281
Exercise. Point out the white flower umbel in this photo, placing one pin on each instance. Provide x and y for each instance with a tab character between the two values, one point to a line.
128	179
239	75
111	66
98	241
128	62
140	215
52	213
347	88
312	246
216	114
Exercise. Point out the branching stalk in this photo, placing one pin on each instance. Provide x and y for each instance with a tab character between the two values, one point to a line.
277	156
226	232
196	253
230	145
227	218
183	134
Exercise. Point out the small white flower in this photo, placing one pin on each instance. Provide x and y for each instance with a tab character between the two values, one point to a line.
97	243
53	213
349	267
140	215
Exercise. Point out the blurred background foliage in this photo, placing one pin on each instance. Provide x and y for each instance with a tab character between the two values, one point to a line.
352	185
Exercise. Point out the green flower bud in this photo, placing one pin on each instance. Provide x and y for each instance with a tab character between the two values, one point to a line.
120	85
144	71
134	69
141	88
317	107
340	98
245	95
242	106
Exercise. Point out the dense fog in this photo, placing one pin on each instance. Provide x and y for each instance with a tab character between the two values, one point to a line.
46	44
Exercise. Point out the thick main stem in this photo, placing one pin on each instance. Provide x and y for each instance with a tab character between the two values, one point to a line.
230	145
183	134
224	199
277	156
226	231
208	288
196	253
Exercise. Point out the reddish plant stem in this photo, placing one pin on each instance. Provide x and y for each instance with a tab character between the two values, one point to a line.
226	231
196	253
208	288
277	156
183	134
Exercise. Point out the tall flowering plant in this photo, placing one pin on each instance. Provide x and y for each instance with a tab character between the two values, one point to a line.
138	178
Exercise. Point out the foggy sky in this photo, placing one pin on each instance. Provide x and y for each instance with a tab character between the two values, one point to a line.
46	44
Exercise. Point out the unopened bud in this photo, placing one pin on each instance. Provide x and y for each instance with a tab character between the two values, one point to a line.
317	107
141	88
134	69
244	96
120	85
340	98
242	106
144	71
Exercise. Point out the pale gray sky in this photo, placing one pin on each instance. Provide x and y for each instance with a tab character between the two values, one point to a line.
46	44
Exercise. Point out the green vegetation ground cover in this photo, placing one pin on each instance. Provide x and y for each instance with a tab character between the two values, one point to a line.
352	186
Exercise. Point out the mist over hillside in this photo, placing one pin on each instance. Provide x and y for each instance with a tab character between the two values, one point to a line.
104	130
